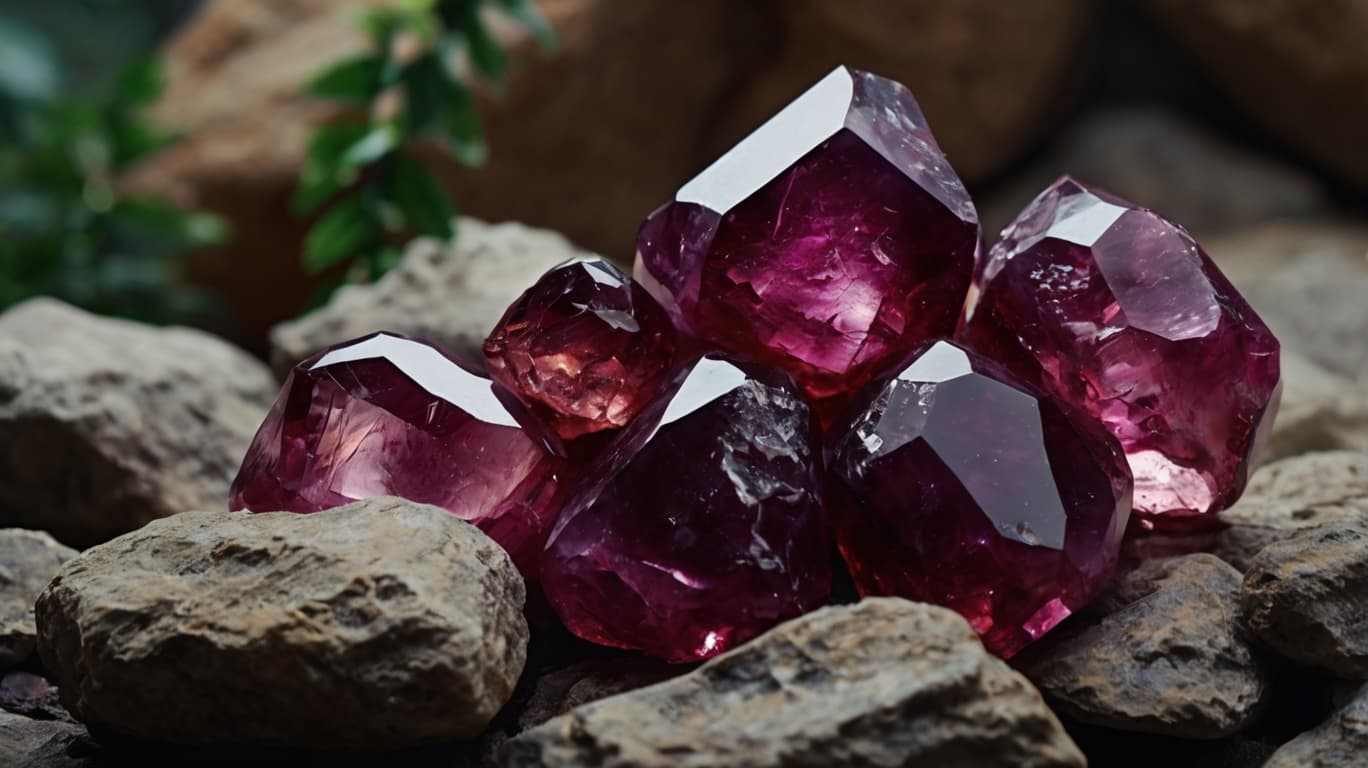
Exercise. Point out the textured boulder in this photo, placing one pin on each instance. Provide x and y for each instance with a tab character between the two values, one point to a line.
1340	742
30	695
1306	597
1171	659
1307	281
451	295
1297	69
377	625
26	741
1292	495
28	560
1164	162
882	682
1320	411
107	424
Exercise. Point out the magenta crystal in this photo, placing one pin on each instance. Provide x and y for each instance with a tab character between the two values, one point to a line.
830	242
585	348
386	415
1112	307
956	483
703	525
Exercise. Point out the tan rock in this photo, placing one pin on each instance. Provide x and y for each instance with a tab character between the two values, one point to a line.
28	561
379	625
1340	742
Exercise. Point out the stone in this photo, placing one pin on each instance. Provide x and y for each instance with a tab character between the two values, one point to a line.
379	625
1295	74
1290	496
957	484
882	682
1320	411
30	695
585	348
1166	656
447	293
561	690
702	525
1286	268
1340	742
1112	307
107	424
387	415
28	560
831	242
1306	595
1168	163
23	739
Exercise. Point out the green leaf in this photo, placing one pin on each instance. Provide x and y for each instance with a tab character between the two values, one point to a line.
140	83
354	81
429	88
377	143
322	176
29	69
344	230
485	53
465	136
144	220
427	209
527	14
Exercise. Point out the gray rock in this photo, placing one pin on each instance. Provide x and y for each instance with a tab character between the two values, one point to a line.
1162	161
1292	495
451	295
882	682
1340	742
23	739
28	561
1307	281
378	625
562	690
1320	411
108	424
27	694
1164	654
1306	597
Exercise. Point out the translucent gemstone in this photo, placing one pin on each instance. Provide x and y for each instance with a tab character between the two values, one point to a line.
702	526
386	415
584	348
1114	308
830	242
956	483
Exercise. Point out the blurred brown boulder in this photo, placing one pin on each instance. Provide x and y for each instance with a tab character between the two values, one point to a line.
638	98
1297	68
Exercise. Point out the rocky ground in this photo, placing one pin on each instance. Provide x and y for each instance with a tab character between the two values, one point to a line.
136	630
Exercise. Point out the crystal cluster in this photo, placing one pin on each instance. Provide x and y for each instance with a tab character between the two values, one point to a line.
1111	306
675	457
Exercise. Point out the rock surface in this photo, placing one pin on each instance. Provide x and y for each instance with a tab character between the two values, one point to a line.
451	295
1307	281
562	690
1164	162
1291	495
1169	660
1298	70
28	560
23	740
1320	411
27	694
1306	597
1341	742
882	682
377	625
106	424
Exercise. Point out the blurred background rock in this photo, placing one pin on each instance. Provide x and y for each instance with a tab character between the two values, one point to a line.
1229	116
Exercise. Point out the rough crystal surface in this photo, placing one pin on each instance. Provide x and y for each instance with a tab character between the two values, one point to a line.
1111	306
584	348
955	483
386	415
703	524
830	242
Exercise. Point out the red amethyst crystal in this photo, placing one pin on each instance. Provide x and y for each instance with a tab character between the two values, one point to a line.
830	242
1112	307
584	348
386	415
703	525
956	483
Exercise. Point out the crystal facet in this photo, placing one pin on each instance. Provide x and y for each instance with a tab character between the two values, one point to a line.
386	415
702	527
956	483
1111	306
831	242
584	348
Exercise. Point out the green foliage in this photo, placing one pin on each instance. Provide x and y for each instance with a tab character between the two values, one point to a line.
65	228
361	180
